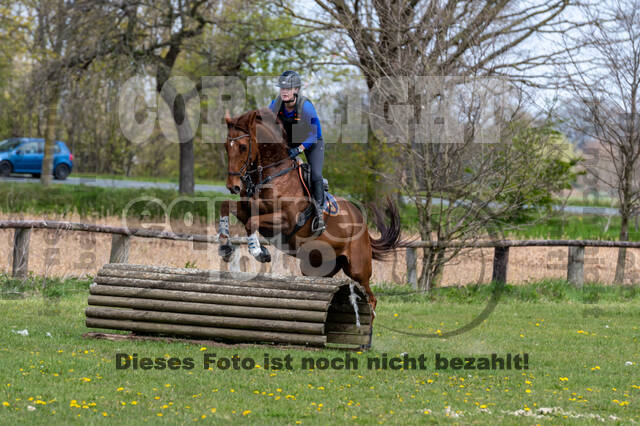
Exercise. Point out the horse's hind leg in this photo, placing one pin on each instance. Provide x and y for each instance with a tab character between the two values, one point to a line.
358	268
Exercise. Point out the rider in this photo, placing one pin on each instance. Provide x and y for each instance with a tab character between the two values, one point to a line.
302	126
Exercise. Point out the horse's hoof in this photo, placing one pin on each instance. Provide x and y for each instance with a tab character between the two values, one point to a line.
367	346
264	256
225	251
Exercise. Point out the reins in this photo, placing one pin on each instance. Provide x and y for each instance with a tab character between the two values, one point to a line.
245	174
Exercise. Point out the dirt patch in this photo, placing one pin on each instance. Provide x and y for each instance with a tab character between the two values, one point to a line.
64	254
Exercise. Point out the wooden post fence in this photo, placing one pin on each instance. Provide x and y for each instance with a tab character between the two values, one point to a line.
119	248
121	240
412	267
575	266
500	263
21	252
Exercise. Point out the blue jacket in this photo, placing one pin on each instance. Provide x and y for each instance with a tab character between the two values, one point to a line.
306	129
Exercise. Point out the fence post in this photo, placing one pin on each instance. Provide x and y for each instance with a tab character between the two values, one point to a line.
20	265
500	263
412	267
119	248
575	266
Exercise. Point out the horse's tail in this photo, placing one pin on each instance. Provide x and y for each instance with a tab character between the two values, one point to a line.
390	234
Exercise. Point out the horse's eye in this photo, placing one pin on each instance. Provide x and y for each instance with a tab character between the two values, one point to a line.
242	148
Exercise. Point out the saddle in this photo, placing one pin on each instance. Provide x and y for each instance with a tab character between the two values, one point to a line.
330	204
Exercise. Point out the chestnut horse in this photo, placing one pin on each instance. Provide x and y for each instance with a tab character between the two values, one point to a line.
273	198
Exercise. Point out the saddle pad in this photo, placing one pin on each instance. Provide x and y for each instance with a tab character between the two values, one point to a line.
330	205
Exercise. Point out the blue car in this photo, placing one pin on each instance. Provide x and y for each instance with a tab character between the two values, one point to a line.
24	155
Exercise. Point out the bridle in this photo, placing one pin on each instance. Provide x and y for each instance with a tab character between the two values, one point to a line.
246	163
245	175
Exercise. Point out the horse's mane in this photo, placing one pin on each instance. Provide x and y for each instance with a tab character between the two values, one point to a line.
270	132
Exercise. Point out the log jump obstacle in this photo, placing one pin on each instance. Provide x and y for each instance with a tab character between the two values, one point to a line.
234	307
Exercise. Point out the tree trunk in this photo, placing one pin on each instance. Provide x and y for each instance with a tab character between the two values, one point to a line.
187	184
49	141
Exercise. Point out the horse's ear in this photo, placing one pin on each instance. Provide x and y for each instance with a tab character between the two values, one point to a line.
227	118
255	115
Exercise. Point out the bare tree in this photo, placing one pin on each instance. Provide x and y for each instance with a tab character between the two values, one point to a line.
604	85
455	181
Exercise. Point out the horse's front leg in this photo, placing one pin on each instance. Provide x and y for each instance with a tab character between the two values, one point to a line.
226	249
273	221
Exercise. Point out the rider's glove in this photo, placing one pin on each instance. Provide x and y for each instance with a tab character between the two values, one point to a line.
294	152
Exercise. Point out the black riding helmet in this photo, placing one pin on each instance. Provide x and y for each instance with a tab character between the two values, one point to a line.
289	80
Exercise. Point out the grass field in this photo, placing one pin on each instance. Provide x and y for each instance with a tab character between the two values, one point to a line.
582	346
145	178
104	202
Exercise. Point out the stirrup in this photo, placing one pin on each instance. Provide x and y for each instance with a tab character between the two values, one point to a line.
317	224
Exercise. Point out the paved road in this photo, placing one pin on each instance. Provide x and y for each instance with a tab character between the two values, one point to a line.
114	183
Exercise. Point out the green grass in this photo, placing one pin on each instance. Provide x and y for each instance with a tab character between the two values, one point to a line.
17	197
582	227
577	366
146	178
602	201
553	226
101	202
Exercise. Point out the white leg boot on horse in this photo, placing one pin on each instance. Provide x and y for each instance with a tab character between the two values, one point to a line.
257	250
226	249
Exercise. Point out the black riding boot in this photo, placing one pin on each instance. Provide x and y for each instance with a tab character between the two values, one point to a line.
317	191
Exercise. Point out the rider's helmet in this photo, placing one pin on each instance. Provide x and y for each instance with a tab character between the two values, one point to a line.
289	80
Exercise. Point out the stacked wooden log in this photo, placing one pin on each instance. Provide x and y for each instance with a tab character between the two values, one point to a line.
228	306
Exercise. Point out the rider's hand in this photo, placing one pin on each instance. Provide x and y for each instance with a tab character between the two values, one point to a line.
294	152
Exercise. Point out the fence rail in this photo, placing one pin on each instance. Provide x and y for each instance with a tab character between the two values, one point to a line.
121	238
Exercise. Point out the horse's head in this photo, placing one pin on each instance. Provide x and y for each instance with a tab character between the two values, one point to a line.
252	137
242	149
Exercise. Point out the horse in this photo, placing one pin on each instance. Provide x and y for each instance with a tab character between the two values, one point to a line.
272	197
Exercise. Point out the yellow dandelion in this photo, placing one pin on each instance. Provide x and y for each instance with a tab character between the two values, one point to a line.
213	410
246	412
203	348
119	389
159	414
6	404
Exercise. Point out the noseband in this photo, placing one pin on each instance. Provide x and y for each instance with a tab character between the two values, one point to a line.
246	163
